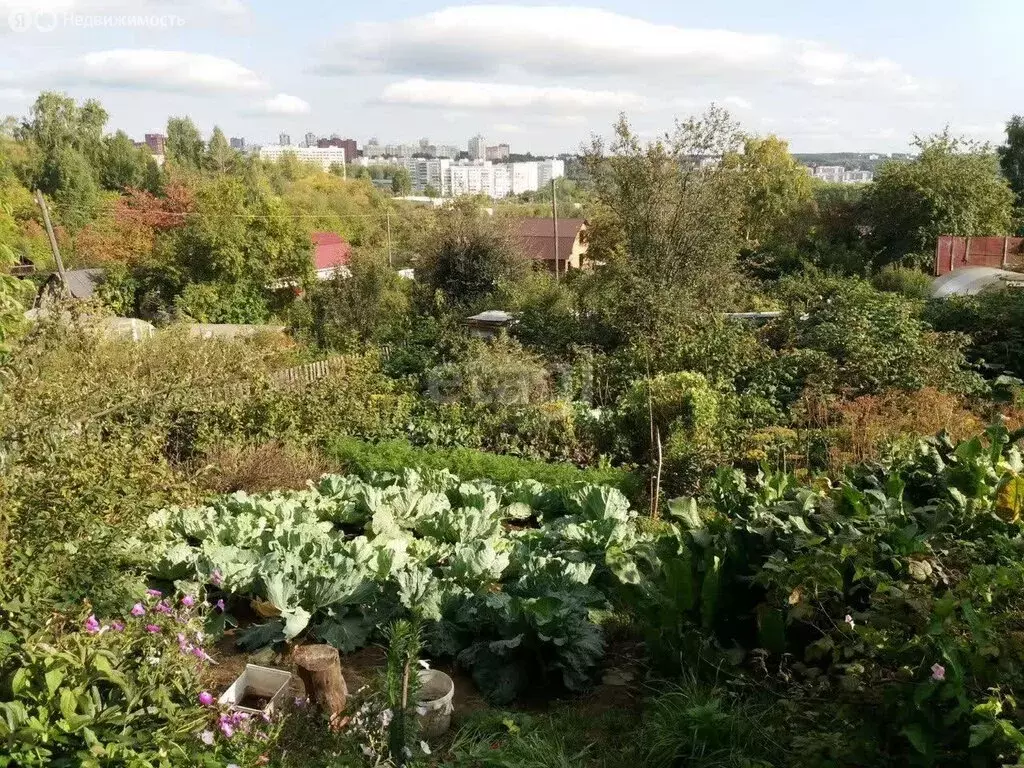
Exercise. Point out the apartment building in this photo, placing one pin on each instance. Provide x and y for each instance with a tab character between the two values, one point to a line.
325	157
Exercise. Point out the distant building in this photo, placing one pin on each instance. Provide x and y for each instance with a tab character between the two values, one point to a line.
548	170
309	140
537	237
349	145
325	157
331	255
477	148
837	174
238	143
156	143
284	140
858	177
500	152
449	151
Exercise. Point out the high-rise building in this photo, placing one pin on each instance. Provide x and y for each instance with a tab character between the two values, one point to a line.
498	153
310	140
284	140
349	145
238	143
156	143
548	170
477	148
448	150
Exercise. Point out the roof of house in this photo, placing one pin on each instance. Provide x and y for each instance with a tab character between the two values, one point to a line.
538	237
491	317
81	282
969	281
330	251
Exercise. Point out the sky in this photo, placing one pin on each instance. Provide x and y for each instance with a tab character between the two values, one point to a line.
860	76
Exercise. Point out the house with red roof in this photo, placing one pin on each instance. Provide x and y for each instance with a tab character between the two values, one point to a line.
536	235
331	255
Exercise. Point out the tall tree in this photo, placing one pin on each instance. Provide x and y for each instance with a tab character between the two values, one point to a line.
185	146
665	223
774	186
401	183
953	187
123	165
219	155
76	192
56	124
1011	157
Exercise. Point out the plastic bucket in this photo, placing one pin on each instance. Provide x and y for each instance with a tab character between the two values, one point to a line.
435	707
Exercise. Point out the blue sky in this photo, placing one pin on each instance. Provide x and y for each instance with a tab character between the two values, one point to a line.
861	76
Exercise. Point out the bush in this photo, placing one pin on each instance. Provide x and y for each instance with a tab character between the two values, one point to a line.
362	458
912	283
993	321
261	468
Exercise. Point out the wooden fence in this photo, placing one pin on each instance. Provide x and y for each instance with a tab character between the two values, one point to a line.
308	373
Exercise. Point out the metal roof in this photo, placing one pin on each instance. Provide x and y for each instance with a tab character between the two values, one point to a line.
970	281
491	316
82	282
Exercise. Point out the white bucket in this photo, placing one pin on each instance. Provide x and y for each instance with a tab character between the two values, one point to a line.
265	682
436	692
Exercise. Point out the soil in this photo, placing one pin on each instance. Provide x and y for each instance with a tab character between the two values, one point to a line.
620	681
251	700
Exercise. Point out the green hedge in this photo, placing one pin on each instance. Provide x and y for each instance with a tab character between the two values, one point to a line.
361	457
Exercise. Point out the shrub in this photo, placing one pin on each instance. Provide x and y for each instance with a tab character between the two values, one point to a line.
993	321
261	468
912	283
362	458
682	404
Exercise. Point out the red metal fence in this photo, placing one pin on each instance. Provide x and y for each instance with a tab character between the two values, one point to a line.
953	252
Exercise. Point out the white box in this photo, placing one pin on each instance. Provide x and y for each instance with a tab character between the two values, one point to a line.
260	681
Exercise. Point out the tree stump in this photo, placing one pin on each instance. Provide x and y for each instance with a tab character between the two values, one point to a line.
319	668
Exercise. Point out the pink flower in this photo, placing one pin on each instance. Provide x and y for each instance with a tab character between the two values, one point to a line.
200	654
138	610
188	601
226	727
162	607
154	593
219	605
206	698
152	628
207	738
91	625
216	577
117	626
938	672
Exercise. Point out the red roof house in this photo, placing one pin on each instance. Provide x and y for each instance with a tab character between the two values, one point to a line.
331	254
537	237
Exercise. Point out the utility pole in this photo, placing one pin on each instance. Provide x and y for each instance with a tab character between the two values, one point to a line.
554	222
53	240
390	263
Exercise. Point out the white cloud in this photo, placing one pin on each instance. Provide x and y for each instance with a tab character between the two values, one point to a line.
283	104
14	94
491	40
149	69
737	102
474	95
507	128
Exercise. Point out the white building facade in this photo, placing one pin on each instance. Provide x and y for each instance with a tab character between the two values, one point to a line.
325	157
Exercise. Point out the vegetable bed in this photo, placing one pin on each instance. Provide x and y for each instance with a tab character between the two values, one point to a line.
508	579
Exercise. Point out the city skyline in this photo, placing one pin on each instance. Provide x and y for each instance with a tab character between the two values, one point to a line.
544	76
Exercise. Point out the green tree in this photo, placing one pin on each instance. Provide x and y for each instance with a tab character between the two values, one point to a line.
56	125
370	304
953	187
431	191
124	165
467	255
1011	157
666	226
401	183
219	155
775	187
185	146
76	193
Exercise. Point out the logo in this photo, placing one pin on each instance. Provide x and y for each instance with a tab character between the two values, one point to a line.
20	21
46	21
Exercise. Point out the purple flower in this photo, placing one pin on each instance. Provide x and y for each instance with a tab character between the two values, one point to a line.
216	577
188	601
207	738
219	605
938	672
154	593
117	626
300	701
200	654
138	610
91	625
162	607
206	698
226	727
152	628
